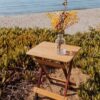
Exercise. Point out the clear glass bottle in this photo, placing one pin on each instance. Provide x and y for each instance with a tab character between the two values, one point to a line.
60	40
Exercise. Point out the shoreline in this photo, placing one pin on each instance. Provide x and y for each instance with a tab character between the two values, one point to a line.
21	14
87	18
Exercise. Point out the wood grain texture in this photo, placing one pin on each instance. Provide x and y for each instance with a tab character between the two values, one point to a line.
49	94
48	50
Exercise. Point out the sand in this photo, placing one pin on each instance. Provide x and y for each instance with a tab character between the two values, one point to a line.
87	18
76	76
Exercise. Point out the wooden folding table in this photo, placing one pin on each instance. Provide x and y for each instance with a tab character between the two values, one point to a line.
46	55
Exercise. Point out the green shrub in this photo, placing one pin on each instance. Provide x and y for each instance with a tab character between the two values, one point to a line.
15	42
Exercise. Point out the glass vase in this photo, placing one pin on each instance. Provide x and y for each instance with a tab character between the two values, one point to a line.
60	41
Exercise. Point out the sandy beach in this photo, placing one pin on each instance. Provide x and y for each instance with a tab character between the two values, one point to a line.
87	18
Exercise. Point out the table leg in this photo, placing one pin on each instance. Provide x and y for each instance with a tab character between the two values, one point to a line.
40	76
39	82
67	77
42	65
46	73
65	72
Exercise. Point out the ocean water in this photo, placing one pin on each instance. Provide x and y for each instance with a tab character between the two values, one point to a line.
8	7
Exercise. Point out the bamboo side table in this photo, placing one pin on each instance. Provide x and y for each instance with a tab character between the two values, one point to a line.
46	55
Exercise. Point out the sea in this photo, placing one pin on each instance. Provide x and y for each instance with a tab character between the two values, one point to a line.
9	7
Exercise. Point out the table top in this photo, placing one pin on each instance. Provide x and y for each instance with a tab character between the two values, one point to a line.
48	50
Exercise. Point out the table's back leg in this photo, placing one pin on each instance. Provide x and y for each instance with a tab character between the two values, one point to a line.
42	65
40	76
46	73
39	82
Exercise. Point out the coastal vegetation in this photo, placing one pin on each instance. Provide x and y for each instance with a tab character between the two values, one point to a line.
18	69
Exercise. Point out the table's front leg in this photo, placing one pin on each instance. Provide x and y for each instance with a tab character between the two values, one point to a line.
67	74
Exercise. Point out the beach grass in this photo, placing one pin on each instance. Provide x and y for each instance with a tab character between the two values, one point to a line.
15	42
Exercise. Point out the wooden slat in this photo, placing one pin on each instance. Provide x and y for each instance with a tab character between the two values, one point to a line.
61	80
49	63
49	94
57	79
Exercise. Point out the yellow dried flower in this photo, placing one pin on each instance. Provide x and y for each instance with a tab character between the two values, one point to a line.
62	20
